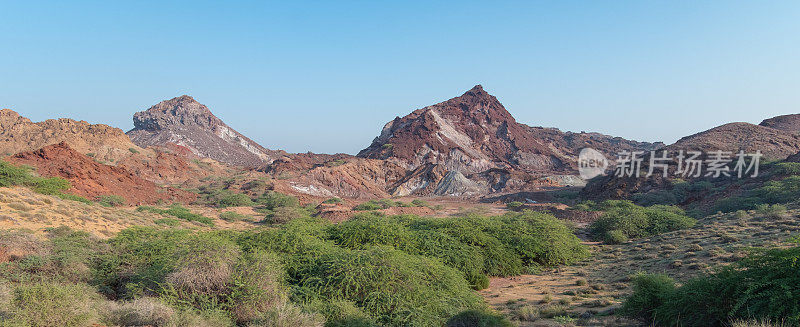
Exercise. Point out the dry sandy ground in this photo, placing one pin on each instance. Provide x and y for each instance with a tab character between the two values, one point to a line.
592	289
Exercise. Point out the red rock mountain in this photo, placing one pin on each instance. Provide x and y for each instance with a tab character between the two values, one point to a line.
474	133
92	179
185	122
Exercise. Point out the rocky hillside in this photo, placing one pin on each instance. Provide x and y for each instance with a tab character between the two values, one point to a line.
103	142
789	123
92	179
185	122
474	132
777	138
776	142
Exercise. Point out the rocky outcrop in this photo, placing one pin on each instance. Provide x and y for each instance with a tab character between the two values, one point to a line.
340	176
92	179
103	142
185	122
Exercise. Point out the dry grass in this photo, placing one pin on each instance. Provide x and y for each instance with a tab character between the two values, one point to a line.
139	312
716	240
24	209
288	315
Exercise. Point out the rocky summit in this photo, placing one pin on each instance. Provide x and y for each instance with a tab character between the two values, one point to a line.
185	122
474	132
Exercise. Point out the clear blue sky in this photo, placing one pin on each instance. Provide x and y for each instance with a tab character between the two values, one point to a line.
326	75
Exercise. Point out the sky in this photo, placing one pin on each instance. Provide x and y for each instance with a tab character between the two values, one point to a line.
325	76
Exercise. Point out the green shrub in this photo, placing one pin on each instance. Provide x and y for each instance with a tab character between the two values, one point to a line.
382	204
333	201
50	186
235	200
140	312
179	212
272	200
477	318
396	288
771	211
167	222
365	230
133	150
111	200
420	203
615	237
51	304
341	313
205	271
623	218
765	285
516	205
73	197
787	168
368	206
11	175
285	214
232	216
649	292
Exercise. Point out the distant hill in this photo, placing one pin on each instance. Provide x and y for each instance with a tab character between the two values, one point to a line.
185	122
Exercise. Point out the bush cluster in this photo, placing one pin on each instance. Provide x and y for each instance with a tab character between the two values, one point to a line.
386	204
111	200
765	285
622	220
373	270
11	175
180	212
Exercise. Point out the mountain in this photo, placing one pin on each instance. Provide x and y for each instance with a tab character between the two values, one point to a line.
777	138
103	142
774	143
185	122
92	179
474	132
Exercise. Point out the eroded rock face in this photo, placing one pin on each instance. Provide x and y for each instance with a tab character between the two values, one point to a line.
92	179
185	122
103	142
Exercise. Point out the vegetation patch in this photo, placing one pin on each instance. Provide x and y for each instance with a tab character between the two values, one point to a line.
622	220
765	285
179	212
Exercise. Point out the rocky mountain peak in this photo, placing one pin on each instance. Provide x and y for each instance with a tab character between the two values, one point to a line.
473	139
185	122
470	133
180	111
